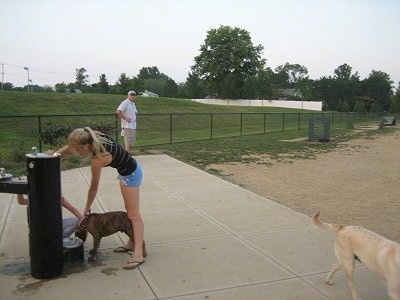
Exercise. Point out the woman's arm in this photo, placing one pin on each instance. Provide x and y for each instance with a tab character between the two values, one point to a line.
98	162
65	203
94	185
62	151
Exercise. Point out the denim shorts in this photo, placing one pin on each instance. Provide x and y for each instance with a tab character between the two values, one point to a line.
134	179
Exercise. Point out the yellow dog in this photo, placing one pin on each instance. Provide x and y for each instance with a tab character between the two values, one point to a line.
375	252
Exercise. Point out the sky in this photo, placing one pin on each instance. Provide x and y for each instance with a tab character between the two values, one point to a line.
53	38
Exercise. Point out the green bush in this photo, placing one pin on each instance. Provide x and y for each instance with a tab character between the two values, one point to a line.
56	135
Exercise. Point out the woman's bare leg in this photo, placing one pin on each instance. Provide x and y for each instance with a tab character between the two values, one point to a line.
131	197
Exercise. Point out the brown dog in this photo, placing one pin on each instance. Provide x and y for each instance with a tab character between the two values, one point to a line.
105	224
376	253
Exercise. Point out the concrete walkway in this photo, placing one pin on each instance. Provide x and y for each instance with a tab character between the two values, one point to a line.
206	239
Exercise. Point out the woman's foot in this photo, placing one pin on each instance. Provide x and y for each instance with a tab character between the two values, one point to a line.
133	264
122	249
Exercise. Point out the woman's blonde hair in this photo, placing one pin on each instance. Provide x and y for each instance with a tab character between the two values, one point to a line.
85	136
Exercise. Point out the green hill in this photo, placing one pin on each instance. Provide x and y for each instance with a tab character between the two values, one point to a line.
193	132
24	103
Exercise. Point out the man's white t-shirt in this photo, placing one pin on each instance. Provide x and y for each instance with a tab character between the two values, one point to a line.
129	110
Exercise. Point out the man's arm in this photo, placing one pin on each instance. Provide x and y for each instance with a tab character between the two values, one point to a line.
122	116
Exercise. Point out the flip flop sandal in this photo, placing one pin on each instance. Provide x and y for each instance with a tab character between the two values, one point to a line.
130	265
121	249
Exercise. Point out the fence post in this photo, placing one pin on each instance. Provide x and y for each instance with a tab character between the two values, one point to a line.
265	117
40	132
170	128
299	120
116	127
241	124
211	125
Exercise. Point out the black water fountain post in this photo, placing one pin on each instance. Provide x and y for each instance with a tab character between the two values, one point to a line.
44	215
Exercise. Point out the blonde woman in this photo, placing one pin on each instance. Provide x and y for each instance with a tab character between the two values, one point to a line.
106	152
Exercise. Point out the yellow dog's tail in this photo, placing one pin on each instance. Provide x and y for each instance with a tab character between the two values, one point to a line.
325	226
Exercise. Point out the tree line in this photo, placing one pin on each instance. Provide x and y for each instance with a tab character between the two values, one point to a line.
229	66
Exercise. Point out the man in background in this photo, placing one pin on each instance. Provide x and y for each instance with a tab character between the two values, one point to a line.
127	111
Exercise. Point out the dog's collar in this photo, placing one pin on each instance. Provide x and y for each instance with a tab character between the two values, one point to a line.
82	223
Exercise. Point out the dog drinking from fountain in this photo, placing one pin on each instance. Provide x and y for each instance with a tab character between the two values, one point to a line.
100	225
375	252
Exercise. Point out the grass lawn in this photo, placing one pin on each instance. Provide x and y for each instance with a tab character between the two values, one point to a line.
200	133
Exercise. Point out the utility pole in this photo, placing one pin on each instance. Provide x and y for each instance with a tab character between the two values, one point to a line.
2	76
27	69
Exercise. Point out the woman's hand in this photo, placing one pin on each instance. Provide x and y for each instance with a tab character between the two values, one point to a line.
86	212
79	223
63	150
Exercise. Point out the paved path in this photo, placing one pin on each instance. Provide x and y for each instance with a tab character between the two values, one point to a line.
206	239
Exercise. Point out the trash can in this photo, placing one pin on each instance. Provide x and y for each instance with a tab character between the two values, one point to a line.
44	215
318	129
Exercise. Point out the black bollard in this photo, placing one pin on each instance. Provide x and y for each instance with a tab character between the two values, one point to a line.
45	216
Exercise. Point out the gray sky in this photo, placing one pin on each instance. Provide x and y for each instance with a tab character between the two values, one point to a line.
53	37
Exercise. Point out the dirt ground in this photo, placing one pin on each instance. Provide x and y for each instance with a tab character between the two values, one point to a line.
356	184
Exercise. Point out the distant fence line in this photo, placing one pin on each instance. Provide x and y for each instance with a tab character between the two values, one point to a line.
310	105
166	128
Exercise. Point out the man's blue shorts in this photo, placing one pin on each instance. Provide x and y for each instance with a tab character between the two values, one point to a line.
134	179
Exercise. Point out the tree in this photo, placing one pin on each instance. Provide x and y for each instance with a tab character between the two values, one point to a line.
170	89
227	59
71	87
81	79
359	107
258	87
378	86
264	85
194	87
304	86
341	89
8	86
395	105
155	81
103	84
137	84
343	72
249	90
61	87
154	85
324	90
346	85
231	86
289	74
344	107
280	78
123	84
150	73
363	103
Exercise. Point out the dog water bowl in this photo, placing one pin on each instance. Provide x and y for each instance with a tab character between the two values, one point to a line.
5	176
71	243
73	250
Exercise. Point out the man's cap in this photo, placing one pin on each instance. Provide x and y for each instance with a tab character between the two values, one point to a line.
132	93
